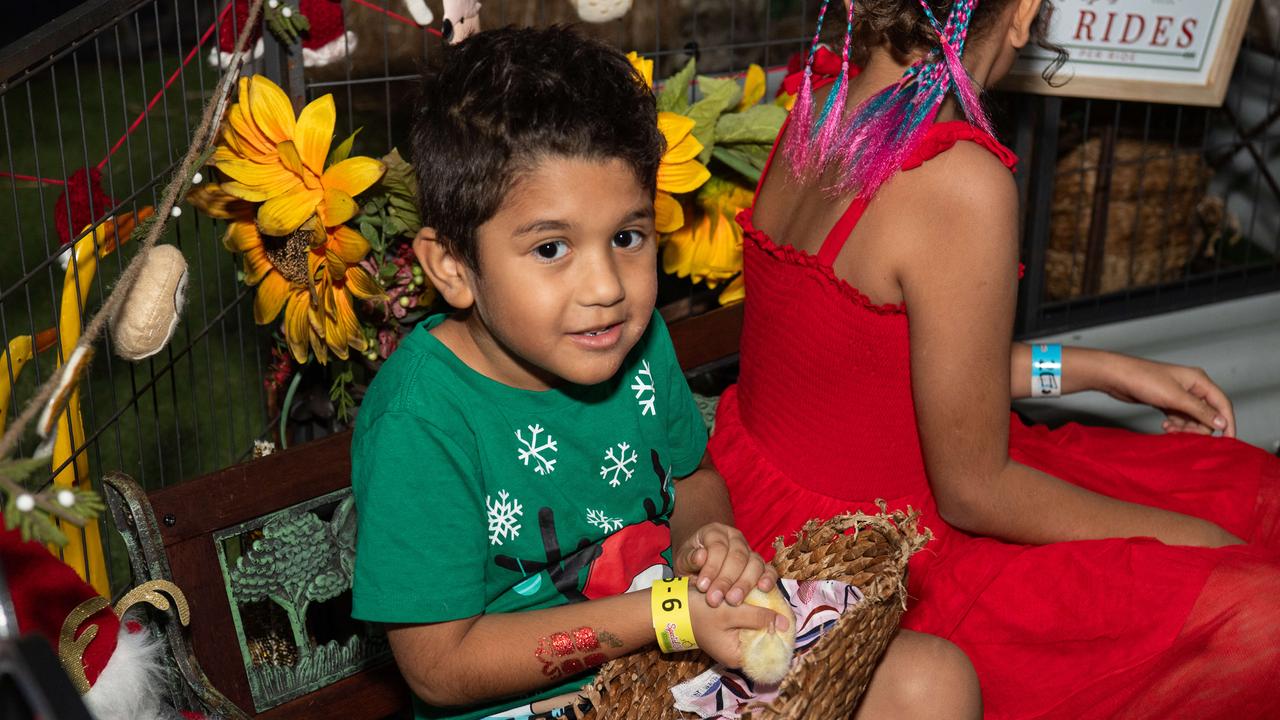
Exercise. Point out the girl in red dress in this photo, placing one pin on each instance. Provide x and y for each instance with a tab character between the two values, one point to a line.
1087	573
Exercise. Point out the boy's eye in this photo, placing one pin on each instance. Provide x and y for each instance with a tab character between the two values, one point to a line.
628	239
553	250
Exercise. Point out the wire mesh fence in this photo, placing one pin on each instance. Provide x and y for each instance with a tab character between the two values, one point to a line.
1130	207
1141	208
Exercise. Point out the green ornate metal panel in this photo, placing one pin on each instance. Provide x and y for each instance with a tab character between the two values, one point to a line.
288	581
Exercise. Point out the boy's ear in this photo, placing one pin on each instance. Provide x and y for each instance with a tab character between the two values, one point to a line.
449	275
1024	14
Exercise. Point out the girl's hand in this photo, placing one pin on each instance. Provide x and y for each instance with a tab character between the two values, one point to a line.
1190	401
725	566
716	627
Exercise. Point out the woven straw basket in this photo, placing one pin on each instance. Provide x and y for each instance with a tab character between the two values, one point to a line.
826	682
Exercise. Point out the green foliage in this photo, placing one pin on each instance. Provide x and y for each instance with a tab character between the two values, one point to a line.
391	210
340	393
343	151
674	94
288	30
718	95
16	475
738	138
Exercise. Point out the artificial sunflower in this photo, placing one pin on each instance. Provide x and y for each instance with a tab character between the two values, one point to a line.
312	274
278	161
680	171
709	249
314	284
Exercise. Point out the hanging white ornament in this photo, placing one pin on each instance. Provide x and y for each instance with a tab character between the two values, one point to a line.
146	321
601	11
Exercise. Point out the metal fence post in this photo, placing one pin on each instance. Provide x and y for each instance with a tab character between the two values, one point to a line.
282	64
1041	176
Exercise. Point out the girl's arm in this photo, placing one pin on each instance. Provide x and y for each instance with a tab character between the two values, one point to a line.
1192	402
481	659
960	288
704	540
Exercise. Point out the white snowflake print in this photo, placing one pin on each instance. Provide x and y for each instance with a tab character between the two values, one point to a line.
534	449
643	386
602	521
619	468
503	517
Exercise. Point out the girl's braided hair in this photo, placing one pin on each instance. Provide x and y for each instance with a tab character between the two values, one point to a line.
869	143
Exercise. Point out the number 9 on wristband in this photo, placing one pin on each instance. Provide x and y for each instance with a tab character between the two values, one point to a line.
669	608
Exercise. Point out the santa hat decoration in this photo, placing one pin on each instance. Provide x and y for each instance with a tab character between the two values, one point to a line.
324	40
114	663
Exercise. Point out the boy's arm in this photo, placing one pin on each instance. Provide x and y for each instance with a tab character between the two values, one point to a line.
705	542
481	659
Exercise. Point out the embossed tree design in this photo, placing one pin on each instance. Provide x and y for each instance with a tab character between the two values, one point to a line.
294	563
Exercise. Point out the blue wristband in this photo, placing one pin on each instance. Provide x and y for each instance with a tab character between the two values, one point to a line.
1046	370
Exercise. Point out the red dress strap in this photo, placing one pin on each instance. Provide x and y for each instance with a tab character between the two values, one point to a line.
939	138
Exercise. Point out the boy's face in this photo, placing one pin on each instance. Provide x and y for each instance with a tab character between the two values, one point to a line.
568	274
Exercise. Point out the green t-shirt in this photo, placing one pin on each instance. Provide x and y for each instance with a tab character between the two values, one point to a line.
477	497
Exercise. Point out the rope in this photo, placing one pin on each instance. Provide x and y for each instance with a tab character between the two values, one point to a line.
142	115
156	98
395	16
200	140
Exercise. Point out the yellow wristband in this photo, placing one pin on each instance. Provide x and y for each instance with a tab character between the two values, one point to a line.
669	605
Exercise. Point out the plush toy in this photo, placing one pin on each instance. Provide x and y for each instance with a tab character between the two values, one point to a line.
766	654
461	20
146	321
601	11
113	661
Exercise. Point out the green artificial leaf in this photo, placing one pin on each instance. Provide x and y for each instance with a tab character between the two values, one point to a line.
718	95
399	178
757	124
395	226
674	93
21	469
343	151
739	162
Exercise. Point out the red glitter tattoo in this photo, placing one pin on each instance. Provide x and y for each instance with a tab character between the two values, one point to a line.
581	643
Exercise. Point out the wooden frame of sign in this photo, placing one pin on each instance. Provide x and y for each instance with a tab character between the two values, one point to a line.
1168	51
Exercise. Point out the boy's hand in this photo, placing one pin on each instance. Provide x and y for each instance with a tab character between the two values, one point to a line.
716	627
725	566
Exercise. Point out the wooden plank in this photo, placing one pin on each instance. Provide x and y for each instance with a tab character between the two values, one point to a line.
253	489
195	568
374	693
709	337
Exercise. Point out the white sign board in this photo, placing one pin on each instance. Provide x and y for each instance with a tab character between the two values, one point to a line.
1176	51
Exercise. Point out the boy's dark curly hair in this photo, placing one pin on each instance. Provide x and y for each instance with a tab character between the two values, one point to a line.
901	25
504	99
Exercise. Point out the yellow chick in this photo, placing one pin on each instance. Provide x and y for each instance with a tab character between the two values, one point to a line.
766	654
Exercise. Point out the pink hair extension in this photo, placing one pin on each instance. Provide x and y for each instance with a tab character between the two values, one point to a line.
798	144
828	137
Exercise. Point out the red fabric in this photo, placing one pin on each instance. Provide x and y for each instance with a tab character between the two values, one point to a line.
45	590
822	421
325	17
89	203
825	64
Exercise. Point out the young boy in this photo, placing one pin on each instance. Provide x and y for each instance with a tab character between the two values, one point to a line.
526	467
